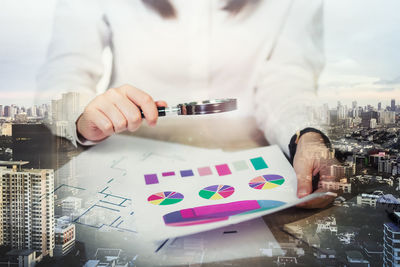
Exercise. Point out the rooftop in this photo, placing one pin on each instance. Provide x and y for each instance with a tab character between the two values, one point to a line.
11	163
20	252
394	227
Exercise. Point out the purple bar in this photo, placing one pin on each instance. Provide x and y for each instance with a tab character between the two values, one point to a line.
168	174
223	169
151	178
186	173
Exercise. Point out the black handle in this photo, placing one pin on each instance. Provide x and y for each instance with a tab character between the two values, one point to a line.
161	112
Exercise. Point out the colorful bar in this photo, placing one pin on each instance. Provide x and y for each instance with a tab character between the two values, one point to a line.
164	174
240	165
259	163
187	173
219	212
151	179
203	171
223	169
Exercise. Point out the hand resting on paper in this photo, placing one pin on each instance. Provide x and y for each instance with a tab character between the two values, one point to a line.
115	111
312	157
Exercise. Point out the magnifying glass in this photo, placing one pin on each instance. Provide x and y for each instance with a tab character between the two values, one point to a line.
199	108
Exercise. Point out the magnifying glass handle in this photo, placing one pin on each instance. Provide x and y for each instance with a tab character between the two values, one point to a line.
161	112
164	111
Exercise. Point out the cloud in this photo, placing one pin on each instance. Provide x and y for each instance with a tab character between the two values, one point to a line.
387	89
388	82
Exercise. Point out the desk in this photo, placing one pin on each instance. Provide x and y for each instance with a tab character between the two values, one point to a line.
309	237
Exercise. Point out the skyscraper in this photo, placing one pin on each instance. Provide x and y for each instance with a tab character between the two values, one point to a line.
379	106
354	104
393	105
27	208
367	117
391	239
7	111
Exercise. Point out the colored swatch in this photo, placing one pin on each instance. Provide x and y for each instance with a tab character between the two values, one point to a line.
151	179
203	171
223	169
219	212
165	198
268	181
164	174
216	192
240	165
187	173
258	163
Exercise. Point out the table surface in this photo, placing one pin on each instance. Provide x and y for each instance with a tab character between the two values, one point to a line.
232	134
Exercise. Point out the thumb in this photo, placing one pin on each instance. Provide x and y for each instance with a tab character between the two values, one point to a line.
303	170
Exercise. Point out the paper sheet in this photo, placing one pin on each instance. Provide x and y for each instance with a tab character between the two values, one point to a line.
109	178
213	191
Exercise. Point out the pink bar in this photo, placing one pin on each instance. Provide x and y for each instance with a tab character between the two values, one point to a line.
168	174
187	213
204	171
234	206
223	169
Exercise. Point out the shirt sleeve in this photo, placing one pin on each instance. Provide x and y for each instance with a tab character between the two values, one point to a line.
74	61
287	85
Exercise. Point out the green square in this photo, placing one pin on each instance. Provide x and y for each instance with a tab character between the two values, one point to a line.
240	165
259	163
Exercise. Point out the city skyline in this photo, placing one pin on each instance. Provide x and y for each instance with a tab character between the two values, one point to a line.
332	103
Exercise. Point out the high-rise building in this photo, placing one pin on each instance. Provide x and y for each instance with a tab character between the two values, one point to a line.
354	104
393	105
391	240
379	106
33	143
7	111
367	117
27	208
64	237
1	110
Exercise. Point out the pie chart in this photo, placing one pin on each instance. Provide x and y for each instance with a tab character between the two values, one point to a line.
268	181
216	192
165	198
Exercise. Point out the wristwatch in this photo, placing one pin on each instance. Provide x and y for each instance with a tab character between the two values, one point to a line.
295	140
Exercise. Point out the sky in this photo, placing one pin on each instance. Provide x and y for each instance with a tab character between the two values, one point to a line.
362	43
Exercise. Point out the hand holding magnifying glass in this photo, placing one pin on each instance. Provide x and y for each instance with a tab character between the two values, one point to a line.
121	109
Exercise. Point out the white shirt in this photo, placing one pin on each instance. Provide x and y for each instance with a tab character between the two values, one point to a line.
269	56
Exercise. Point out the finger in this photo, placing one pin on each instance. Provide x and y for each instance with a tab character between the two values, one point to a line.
303	169
161	103
99	120
113	114
319	202
130	111
144	101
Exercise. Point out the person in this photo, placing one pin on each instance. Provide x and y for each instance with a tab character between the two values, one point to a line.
267	54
